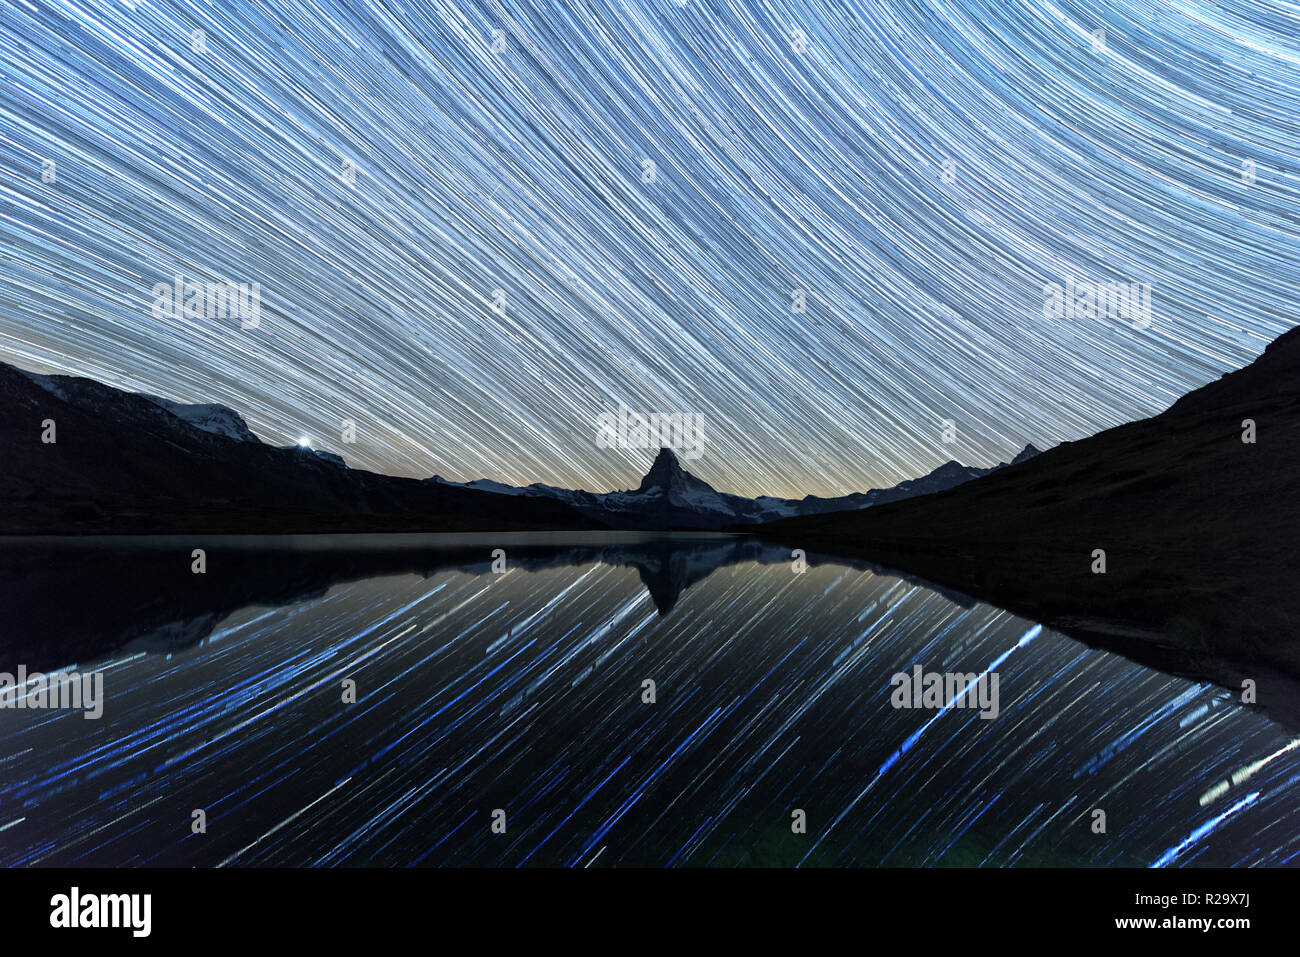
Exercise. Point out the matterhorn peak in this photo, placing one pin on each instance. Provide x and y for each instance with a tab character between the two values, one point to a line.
666	471
667	474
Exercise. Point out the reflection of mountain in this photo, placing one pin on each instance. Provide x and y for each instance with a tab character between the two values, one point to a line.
669	497
145	593
1199	529
121	462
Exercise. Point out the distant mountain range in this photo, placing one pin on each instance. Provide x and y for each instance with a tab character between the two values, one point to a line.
1195	509
136	463
669	497
122	462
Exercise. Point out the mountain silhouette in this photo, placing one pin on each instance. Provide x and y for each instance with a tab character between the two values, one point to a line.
667	476
1194	513
112	461
670	498
85	458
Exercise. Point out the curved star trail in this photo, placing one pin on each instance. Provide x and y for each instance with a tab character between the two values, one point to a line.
919	169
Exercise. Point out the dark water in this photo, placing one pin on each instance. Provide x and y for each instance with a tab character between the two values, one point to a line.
522	691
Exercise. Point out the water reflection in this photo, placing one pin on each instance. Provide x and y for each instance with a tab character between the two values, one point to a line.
524	691
77	599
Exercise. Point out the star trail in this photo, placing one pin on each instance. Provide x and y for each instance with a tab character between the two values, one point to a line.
522	692
824	227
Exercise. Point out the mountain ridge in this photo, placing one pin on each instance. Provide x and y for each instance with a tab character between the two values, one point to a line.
671	498
1171	539
134	462
86	458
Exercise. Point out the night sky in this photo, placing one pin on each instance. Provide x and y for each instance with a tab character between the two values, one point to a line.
647	186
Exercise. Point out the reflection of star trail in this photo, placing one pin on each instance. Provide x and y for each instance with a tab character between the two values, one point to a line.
1241	775
522	692
915	736
777	169
1169	856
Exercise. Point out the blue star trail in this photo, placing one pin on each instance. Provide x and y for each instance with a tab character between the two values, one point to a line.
523	692
475	227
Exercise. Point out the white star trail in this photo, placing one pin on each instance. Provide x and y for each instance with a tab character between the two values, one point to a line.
918	169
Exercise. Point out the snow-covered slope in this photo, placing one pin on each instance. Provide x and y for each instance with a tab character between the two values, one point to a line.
210	417
217	419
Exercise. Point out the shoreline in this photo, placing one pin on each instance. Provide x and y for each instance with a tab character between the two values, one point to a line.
1143	641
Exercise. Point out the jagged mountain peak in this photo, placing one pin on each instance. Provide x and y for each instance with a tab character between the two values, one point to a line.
667	473
1027	453
671	497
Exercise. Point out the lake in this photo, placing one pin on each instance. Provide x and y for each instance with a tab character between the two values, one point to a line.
502	715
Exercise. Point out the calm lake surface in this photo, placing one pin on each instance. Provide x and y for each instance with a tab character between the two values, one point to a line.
522	690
